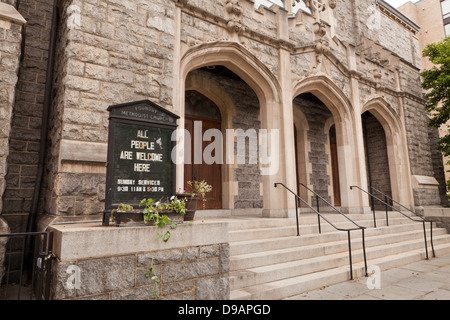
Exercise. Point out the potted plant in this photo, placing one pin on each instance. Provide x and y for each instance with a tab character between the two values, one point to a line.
154	213
198	191
126	215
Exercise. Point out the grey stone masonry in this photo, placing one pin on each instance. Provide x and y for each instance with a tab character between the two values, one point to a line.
317	114
11	24
192	265
26	121
376	157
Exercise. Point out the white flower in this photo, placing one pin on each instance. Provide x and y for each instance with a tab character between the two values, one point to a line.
171	198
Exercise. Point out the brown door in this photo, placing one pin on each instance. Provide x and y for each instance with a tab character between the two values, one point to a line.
212	173
335	167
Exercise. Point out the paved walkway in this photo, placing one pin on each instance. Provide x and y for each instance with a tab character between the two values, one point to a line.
423	280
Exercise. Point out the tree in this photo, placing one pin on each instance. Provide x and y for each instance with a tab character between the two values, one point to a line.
437	83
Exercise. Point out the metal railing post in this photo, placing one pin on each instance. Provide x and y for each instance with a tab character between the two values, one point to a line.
296	216
431	240
425	236
350	254
387	215
373	212
364	250
318	217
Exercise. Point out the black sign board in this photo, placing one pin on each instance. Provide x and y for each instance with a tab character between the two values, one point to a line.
139	155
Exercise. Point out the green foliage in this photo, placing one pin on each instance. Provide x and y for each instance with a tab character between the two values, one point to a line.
152	212
200	187
124	207
437	83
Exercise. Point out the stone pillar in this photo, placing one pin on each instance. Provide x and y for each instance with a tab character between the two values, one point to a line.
358	201
11	25
280	202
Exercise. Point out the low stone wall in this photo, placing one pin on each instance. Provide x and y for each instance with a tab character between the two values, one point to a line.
111	263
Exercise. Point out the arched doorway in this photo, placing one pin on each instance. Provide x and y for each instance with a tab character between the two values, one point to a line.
380	115
377	161
316	150
265	87
202	114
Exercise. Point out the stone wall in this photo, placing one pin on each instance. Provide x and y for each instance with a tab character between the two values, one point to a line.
27	113
11	24
121	51
376	157
192	265
317	114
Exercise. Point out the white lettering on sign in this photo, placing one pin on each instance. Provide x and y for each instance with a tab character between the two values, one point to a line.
142	145
126	155
143	156
141	167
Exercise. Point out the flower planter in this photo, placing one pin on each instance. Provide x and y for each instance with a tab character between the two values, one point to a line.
191	204
136	218
130	219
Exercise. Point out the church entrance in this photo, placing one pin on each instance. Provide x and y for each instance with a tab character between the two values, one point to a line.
201	111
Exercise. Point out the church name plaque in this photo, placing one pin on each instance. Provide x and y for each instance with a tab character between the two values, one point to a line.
139	155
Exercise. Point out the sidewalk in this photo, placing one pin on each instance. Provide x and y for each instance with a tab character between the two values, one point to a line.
423	280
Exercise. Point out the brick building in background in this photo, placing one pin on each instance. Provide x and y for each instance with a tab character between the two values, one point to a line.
433	16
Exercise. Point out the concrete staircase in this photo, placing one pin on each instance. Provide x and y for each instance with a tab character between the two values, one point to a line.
269	262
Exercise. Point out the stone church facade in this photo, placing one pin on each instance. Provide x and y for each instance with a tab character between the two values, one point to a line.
338	81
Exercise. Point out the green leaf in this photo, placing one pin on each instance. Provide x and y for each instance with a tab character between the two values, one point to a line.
166	236
174	225
149	272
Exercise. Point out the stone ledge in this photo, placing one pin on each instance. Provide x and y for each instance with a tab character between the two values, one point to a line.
9	13
82	151
75	242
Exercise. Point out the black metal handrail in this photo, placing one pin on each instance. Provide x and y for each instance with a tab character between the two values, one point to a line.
329	204
421	219
337	228
41	265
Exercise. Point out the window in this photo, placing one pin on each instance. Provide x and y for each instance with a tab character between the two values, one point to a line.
447	29
445	6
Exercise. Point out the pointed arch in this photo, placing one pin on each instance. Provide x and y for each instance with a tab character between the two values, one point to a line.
400	177
239	60
328	92
260	79
342	112
384	113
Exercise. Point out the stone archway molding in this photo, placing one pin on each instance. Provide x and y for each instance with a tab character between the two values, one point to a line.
267	88
401	183
343	116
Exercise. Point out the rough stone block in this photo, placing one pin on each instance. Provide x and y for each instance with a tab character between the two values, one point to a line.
105	275
190	270
212	288
160	257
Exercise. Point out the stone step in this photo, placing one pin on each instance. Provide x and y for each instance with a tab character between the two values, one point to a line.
288	230
316	258
289	287
264	244
267	253
245	223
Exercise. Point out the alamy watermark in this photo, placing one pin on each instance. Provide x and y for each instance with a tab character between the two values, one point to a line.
74	280
233	146
374	278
